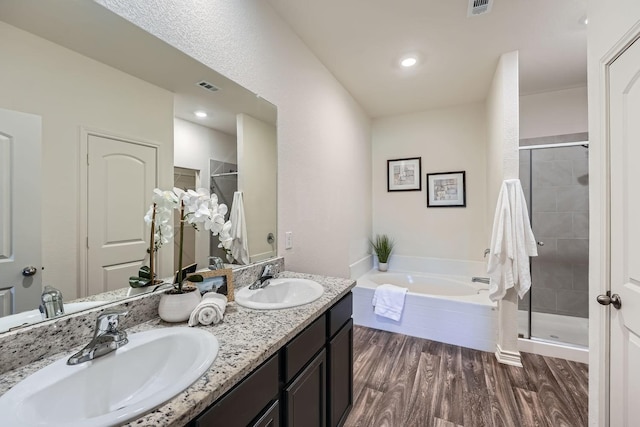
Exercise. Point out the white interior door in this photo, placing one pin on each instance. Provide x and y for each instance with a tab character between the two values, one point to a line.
624	117
121	177
20	220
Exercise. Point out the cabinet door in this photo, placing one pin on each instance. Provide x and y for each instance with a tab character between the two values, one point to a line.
271	418
340	375
305	396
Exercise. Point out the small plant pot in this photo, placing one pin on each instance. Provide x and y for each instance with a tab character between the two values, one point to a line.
383	266
175	307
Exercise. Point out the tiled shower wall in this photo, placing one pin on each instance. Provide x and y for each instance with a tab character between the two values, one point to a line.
559	204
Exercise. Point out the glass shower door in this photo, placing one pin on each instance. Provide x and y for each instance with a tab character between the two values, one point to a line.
556	184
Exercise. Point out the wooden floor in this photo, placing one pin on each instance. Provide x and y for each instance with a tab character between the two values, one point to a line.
402	381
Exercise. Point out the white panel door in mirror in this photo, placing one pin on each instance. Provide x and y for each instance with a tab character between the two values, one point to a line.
20	221
121	179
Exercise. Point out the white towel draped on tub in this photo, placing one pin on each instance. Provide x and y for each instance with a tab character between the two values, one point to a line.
512	243
238	232
388	301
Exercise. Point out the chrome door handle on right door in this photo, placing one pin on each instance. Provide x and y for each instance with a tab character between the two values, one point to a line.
607	299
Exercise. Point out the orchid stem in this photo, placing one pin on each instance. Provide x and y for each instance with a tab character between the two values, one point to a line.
180	278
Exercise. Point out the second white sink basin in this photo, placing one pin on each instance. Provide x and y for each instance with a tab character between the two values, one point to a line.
152	368
280	293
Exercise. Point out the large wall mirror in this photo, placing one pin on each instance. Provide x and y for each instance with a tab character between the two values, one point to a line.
94	114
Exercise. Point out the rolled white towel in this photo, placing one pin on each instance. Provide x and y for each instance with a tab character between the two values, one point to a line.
210	310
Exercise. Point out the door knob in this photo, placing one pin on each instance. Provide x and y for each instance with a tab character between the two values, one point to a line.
607	299
29	271
540	243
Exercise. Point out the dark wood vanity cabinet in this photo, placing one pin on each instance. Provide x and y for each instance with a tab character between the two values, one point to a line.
305	397
247	400
306	383
340	375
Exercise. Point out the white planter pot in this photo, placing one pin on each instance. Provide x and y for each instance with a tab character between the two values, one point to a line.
178	307
383	266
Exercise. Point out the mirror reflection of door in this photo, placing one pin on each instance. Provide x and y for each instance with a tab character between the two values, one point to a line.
20	222
121	176
185	179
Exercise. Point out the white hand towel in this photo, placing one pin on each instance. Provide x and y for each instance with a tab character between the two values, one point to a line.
210	310
388	301
238	232
512	243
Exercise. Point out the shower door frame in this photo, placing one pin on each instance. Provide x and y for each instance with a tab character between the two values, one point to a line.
530	212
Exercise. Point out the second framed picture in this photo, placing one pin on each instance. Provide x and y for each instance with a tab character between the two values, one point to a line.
404	174
446	190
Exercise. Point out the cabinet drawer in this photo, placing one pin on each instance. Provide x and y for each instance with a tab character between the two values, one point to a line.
271	418
302	348
243	403
339	314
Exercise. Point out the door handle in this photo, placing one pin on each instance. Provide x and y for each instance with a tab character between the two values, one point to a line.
607	299
29	271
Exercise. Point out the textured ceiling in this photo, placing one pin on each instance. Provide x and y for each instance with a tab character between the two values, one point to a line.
361	41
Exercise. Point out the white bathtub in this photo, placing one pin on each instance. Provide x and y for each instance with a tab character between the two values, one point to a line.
444	308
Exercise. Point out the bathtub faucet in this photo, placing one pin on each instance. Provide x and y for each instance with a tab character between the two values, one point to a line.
484	280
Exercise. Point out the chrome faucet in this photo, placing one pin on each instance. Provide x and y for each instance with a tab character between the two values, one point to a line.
265	277
51	303
484	280
106	338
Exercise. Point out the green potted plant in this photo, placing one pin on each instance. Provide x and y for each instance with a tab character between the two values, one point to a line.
382	245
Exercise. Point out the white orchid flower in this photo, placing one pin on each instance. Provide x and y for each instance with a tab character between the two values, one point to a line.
200	207
149	215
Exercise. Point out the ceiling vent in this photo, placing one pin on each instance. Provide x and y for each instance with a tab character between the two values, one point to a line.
208	86
479	7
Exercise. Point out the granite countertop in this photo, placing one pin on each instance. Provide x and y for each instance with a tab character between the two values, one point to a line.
247	338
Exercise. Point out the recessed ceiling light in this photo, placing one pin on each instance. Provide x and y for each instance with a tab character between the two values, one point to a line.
584	20
409	61
200	114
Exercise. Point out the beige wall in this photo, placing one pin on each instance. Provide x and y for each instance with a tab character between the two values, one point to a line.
70	91
258	167
553	113
608	22
324	136
194	146
503	127
447	139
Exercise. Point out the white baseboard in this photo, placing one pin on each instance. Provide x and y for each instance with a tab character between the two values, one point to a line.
508	357
543	348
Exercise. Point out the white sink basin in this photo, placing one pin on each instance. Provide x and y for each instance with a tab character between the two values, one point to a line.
111	390
280	293
34	316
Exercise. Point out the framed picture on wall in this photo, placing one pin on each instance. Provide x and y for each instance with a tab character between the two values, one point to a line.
404	174
446	190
